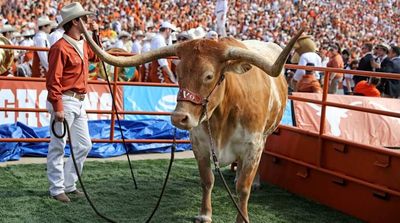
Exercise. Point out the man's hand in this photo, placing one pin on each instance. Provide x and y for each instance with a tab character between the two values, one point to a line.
89	24
375	64
93	26
170	74
60	116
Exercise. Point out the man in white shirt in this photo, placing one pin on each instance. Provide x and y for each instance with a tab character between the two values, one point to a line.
309	57
28	41
40	64
137	44
221	9
145	69
7	31
124	41
56	34
165	74
28	35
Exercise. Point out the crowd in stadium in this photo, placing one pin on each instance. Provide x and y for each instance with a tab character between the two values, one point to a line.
344	26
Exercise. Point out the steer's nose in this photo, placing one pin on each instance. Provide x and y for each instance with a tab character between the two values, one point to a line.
180	120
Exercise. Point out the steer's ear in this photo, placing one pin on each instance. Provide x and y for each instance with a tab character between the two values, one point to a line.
237	67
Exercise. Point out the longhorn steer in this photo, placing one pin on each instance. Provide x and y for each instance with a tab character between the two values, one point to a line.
243	109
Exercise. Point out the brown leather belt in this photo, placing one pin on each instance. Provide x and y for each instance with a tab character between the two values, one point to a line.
78	96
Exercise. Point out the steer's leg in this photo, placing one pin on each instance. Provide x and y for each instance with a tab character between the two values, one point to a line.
244	183
256	182
207	183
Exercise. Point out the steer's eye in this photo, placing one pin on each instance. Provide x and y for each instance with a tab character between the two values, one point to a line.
208	78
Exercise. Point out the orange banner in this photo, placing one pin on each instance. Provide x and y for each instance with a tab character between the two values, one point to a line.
17	94
361	127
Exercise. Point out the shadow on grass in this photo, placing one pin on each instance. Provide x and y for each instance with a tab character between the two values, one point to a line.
23	192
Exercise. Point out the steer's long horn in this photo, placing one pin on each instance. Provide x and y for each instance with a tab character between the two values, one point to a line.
131	60
236	53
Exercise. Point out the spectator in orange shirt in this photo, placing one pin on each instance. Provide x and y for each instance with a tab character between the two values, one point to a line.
368	88
335	61
308	82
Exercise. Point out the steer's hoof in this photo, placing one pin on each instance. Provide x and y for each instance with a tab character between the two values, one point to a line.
202	219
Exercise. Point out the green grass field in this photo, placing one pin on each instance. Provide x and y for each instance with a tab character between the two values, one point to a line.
24	196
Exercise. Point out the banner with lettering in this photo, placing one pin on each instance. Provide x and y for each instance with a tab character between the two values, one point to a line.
18	94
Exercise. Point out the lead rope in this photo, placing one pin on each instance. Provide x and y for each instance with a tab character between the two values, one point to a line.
66	130
114	106
173	148
216	162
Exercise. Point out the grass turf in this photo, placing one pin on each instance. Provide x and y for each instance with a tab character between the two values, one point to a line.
24	196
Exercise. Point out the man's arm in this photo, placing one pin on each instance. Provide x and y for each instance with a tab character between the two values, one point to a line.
348	83
170	73
163	63
41	42
54	78
299	72
165	67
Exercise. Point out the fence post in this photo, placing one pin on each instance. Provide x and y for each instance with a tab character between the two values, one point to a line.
323	116
112	124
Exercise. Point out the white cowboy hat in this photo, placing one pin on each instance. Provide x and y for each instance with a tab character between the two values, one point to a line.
139	33
168	25
384	45
28	32
43	21
17	34
72	11
7	28
197	33
123	34
149	36
54	24
184	35
212	34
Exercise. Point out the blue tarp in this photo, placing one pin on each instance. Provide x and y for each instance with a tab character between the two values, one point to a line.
99	129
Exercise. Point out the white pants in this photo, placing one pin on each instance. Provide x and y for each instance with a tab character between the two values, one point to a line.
62	177
221	22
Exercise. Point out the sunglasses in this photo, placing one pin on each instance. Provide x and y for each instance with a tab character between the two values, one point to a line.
182	39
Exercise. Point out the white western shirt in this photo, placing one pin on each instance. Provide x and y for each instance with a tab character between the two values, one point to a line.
41	39
55	36
157	42
305	58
